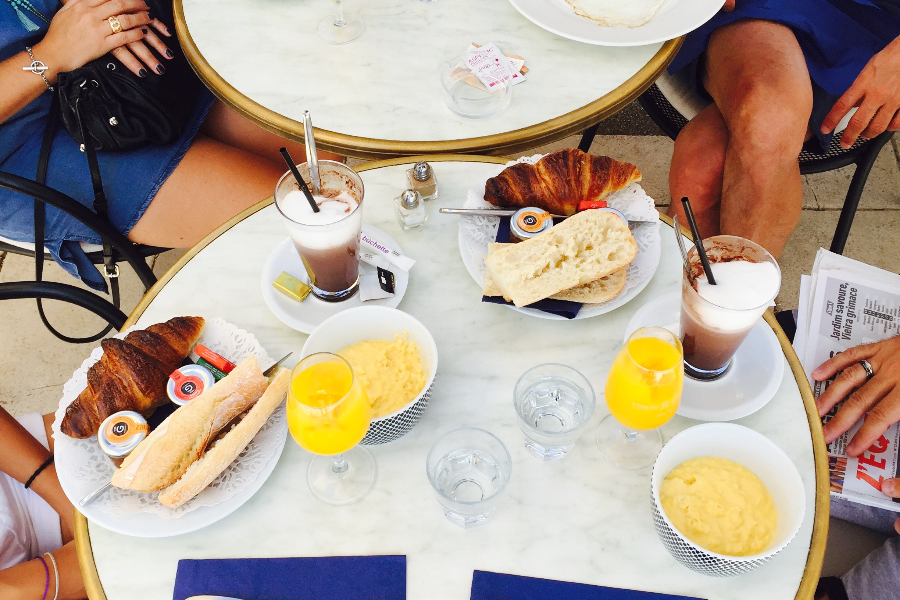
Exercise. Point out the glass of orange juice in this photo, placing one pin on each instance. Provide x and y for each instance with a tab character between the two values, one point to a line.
328	414
643	390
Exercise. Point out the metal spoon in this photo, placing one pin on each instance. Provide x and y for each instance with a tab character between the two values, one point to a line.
684	254
312	158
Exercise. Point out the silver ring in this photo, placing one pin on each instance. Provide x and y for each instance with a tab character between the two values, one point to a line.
869	372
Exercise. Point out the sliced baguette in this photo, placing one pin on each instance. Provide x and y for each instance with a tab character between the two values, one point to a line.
583	248
171	448
223	452
602	290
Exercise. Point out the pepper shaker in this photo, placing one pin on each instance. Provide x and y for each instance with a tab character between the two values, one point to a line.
423	180
410	210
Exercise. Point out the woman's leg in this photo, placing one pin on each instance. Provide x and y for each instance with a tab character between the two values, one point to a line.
227	126
213	183
696	171
757	75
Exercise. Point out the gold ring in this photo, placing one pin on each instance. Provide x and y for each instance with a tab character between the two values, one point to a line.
114	24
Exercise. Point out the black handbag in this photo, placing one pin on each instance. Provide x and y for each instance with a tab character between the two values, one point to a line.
115	110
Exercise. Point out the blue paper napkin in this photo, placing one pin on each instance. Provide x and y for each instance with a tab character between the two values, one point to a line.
563	308
498	586
328	578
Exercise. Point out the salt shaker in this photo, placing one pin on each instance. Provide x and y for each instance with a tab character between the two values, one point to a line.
423	180
410	210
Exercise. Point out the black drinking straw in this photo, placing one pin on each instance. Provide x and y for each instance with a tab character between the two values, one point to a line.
290	163
698	241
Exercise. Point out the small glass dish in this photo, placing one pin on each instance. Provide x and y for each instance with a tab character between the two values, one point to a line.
468	469
553	404
465	95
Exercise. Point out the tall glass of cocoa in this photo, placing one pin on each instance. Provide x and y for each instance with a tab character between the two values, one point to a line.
328	240
715	319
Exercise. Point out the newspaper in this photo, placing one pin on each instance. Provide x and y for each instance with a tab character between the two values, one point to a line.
845	303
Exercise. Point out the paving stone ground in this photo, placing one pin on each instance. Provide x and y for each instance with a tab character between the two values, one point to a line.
36	365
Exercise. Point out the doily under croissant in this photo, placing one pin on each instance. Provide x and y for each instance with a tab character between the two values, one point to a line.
475	232
82	466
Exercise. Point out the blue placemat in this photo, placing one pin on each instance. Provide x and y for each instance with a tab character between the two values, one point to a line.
563	308
498	586
327	578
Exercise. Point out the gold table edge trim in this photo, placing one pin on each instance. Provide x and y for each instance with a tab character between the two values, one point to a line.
507	142
819	537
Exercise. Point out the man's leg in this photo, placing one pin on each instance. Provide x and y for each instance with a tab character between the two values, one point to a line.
696	170
757	75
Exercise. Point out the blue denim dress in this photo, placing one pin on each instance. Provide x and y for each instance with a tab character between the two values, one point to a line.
838	38
130	179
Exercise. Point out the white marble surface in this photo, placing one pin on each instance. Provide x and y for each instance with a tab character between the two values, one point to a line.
581	519
385	85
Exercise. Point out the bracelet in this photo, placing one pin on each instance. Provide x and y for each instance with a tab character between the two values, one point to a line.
37	67
55	572
47	575
46	464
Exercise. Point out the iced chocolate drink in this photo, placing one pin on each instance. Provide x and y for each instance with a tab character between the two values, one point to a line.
715	319
327	240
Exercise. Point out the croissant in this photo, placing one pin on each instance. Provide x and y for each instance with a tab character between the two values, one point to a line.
132	374
559	181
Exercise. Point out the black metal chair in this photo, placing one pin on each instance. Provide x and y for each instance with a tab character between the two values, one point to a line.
863	154
123	250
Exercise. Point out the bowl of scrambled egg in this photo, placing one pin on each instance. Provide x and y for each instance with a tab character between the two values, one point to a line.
725	499
394	357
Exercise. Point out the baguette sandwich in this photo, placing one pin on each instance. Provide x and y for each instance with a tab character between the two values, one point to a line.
582	249
167	453
601	290
223	451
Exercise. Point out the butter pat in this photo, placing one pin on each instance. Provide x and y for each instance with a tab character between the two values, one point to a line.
293	287
390	372
720	505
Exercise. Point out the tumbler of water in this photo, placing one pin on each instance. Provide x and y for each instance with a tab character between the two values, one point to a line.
553	404
468	469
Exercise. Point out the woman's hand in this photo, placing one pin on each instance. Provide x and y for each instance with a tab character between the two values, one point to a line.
129	55
878	399
81	32
876	92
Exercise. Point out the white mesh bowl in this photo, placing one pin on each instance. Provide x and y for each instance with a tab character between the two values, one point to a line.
756	452
367	323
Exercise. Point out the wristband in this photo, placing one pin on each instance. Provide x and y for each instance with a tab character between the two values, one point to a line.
47	575
31	479
37	67
56	573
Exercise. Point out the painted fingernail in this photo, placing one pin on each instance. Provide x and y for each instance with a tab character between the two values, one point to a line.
169	53
160	69
142	72
144	30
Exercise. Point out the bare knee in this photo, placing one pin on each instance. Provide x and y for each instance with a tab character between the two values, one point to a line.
767	127
699	161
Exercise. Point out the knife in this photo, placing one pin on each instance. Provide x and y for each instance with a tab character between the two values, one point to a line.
211	598
268	372
502	212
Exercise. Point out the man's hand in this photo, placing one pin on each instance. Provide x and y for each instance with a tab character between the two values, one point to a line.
891	489
876	93
879	397
729	6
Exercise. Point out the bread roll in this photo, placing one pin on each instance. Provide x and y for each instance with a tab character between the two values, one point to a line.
583	248
223	452
171	448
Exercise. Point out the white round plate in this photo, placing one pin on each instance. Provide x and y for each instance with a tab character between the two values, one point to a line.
307	315
82	467
674	18
748	385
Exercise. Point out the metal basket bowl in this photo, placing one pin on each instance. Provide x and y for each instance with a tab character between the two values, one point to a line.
367	323
756	452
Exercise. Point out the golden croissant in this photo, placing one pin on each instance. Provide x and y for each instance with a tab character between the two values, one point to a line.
559	181
132	374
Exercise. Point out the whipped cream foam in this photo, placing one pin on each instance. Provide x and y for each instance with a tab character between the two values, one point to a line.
740	286
334	208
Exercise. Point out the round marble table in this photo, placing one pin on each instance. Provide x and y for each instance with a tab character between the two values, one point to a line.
580	519
380	95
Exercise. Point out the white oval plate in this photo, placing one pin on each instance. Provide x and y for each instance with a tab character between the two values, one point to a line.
307	315
748	385
674	18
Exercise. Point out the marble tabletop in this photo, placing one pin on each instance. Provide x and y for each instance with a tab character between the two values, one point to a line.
381	94
580	519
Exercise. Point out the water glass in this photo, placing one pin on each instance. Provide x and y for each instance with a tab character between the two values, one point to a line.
468	469
553	404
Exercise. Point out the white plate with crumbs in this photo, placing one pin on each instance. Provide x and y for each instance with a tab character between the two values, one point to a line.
672	19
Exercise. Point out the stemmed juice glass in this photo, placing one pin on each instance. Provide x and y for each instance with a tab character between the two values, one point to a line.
341	28
643	391
328	414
